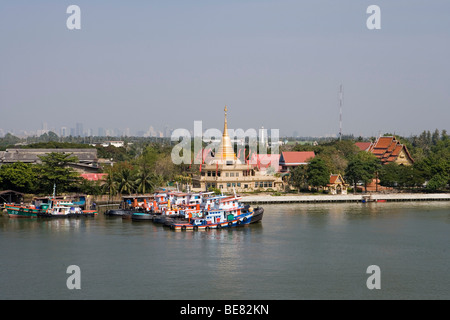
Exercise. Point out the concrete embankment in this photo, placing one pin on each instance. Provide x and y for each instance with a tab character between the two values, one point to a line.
261	199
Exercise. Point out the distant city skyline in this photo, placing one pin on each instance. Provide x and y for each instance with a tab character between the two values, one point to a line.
277	64
79	130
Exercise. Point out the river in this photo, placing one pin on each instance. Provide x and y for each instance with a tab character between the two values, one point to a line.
298	251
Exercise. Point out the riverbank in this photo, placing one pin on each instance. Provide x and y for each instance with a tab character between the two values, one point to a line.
261	199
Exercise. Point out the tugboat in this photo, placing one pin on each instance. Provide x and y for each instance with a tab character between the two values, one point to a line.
226	212
129	205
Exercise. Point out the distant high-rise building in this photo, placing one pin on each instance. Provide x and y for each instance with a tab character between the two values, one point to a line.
79	129
263	139
64	132
101	132
150	132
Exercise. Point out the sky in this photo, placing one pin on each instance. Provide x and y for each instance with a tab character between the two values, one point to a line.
277	64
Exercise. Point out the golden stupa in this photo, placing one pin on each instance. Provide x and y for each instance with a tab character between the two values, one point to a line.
225	153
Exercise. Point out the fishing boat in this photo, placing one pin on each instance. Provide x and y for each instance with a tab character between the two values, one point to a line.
257	215
223	212
22	211
37	206
130	204
58	208
66	211
215	220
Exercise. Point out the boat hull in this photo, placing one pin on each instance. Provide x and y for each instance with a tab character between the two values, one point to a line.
138	216
238	222
118	212
21	212
69	215
167	219
257	215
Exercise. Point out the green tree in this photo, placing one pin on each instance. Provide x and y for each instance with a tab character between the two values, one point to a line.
318	173
145	181
362	168
126	180
55	170
18	176
298	177
437	182
389	175
110	184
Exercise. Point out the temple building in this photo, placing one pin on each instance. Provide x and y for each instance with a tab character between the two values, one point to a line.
226	172
388	149
289	160
337	185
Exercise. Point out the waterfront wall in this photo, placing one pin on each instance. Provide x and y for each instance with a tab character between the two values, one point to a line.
261	199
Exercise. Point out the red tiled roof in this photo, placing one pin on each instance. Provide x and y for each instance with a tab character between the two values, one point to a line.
94	176
296	157
387	149
384	142
363	146
336	178
333	178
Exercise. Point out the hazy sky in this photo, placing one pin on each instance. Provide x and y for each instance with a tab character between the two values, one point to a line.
277	64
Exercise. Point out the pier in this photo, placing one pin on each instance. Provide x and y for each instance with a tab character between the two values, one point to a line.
269	199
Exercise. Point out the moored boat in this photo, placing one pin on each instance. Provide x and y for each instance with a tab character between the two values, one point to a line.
117	212
21	211
224	212
66	211
142	216
257	215
214	220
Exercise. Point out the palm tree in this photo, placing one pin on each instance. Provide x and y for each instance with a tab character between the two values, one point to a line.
110	185
145	181
158	181
126	180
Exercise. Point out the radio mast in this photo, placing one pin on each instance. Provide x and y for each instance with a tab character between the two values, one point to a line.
341	98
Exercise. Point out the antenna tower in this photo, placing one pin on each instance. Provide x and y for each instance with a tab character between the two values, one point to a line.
341	98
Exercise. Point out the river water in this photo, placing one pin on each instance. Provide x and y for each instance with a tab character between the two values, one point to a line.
299	251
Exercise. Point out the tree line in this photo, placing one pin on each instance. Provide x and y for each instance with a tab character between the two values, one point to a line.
429	172
143	172
142	166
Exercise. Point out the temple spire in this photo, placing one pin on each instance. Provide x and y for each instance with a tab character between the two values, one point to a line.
225	153
225	124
